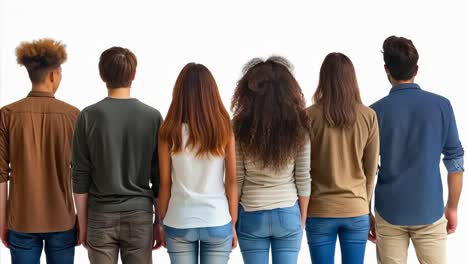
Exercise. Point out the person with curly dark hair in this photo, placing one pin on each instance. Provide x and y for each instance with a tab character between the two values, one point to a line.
344	157
35	146
272	161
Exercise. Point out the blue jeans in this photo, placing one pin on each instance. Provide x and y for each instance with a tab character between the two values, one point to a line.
214	244
281	228
26	248
322	233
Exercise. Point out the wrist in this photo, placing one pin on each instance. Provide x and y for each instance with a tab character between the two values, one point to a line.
158	222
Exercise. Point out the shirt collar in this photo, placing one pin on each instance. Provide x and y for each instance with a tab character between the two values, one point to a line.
405	86
40	94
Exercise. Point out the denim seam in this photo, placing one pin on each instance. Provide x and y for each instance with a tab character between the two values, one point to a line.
271	223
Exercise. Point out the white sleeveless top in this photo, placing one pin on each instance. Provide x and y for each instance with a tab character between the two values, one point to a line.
198	197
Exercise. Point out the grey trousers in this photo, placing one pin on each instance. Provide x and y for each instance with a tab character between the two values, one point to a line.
131	233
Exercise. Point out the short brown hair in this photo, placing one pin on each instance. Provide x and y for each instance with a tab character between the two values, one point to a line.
117	67
40	56
401	57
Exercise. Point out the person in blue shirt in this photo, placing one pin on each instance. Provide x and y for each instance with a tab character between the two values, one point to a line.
416	127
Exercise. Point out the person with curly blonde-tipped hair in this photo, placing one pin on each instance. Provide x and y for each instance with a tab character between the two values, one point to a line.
35	146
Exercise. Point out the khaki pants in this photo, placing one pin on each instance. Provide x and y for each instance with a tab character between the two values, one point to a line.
429	242
129	232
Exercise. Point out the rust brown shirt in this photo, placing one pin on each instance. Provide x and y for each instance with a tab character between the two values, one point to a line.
343	164
35	147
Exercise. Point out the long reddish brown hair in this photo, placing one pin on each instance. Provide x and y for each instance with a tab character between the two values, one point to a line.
338	91
197	103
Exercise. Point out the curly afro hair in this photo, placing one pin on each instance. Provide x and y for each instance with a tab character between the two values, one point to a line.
40	56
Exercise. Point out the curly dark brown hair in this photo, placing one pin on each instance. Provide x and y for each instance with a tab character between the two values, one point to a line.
269	122
40	56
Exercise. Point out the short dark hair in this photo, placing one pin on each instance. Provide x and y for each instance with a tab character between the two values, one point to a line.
401	57
40	56
117	67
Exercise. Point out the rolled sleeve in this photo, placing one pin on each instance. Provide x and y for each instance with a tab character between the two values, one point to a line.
81	163
452	150
454	165
302	169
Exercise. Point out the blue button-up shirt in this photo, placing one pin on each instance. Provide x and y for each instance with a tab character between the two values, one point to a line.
416	127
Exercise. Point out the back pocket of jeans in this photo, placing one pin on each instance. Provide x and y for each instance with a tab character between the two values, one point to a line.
224	231
361	223
251	222
177	232
290	219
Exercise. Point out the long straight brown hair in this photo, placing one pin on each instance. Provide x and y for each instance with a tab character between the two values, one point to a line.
338	91
197	103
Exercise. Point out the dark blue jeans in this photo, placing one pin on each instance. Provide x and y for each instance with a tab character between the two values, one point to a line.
26	248
322	234
279	229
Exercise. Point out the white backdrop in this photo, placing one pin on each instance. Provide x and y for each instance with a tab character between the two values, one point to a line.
165	35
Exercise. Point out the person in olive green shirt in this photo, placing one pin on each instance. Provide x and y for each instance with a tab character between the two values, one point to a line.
114	160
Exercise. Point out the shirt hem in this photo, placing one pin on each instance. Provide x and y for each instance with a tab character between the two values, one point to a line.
270	207
403	223
200	225
63	228
123	207
340	215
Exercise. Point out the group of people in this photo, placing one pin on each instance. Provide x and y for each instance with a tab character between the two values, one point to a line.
200	182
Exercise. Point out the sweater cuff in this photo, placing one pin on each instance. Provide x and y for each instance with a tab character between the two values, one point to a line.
303	192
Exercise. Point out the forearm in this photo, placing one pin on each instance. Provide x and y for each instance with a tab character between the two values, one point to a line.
303	205
233	199
3	204
370	203
370	171
455	183
164	196
81	204
370	193
157	215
